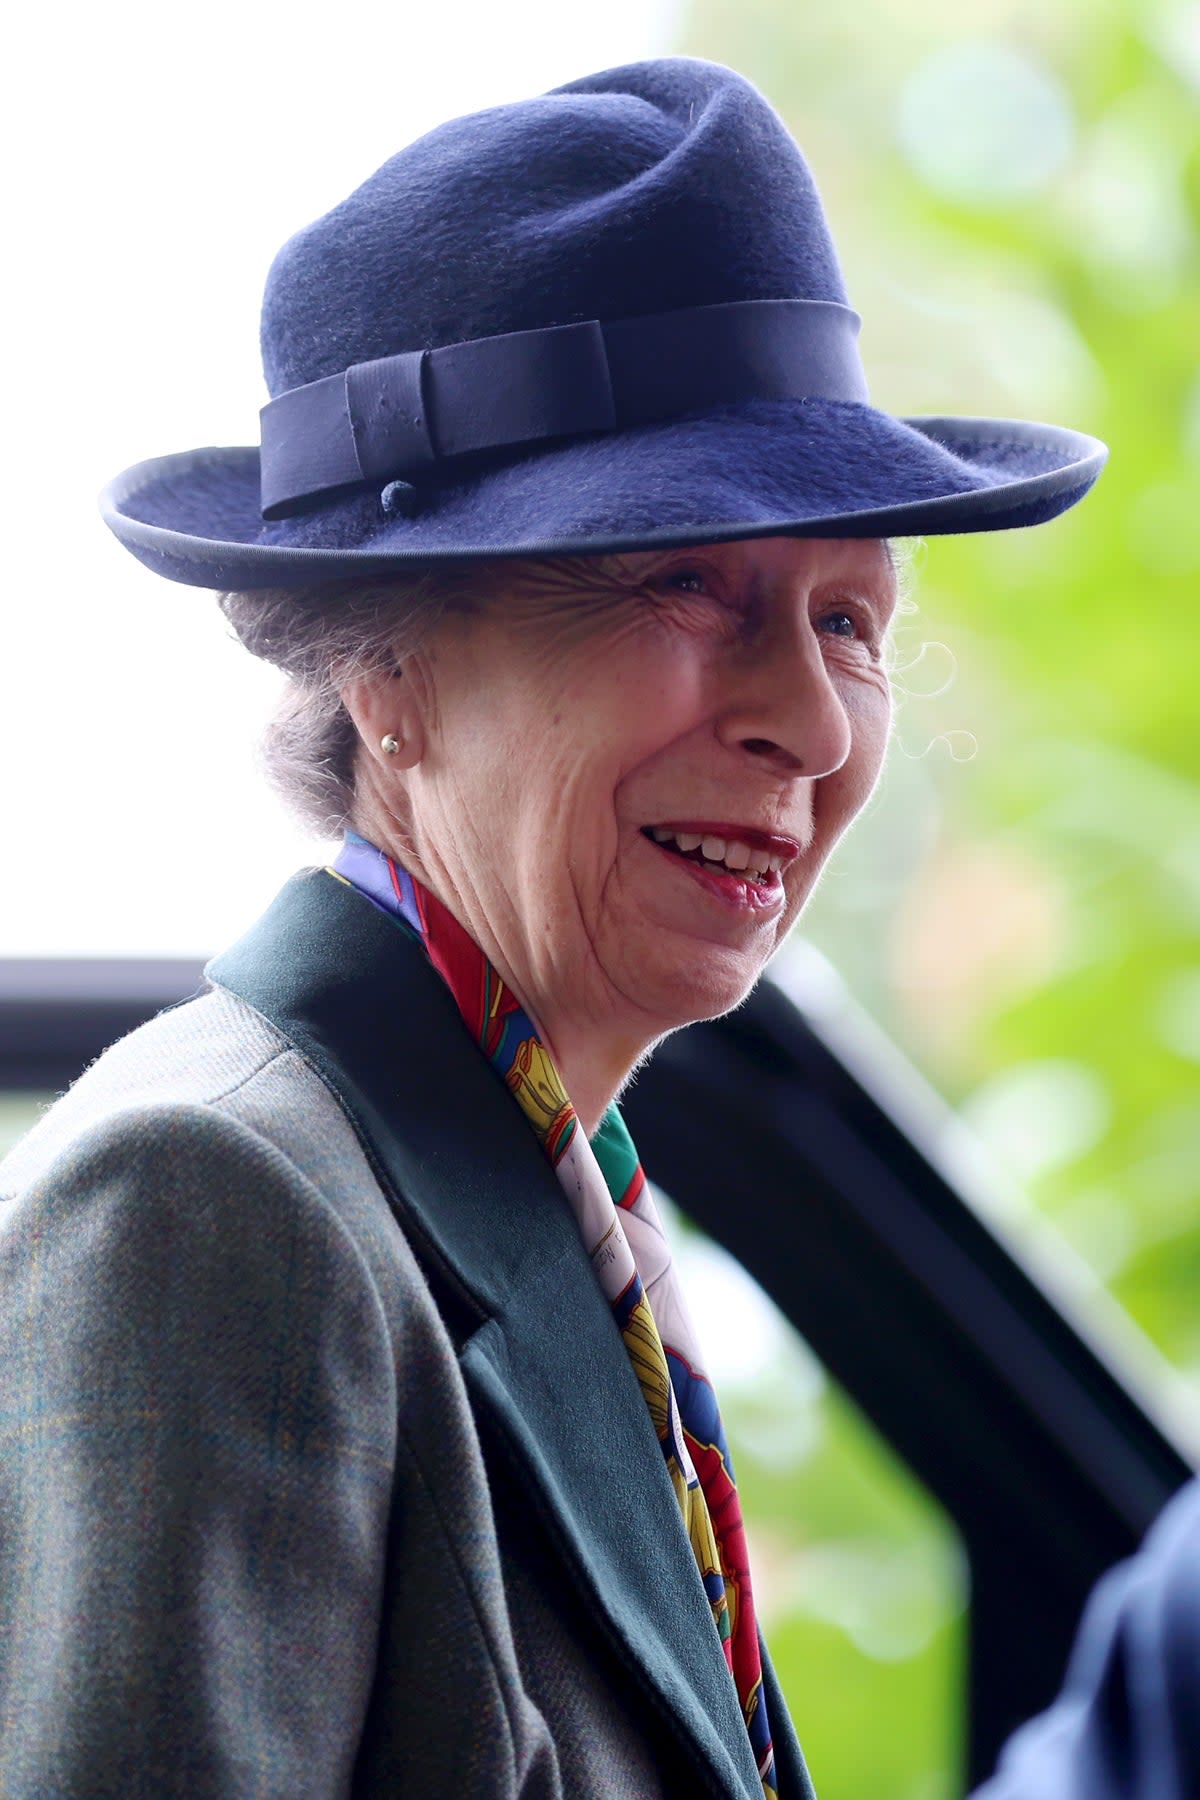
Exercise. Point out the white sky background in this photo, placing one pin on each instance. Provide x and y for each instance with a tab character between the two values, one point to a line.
158	156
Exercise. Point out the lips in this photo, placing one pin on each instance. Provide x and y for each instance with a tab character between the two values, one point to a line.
725	848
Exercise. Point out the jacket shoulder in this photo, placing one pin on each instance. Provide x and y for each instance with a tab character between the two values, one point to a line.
203	1052
211	1087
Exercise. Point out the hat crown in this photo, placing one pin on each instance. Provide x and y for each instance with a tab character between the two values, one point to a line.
641	190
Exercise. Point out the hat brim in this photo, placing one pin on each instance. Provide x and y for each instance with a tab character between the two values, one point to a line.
812	468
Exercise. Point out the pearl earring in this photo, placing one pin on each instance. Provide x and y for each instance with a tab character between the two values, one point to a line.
390	745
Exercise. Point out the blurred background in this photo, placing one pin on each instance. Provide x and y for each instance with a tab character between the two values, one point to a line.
1014	188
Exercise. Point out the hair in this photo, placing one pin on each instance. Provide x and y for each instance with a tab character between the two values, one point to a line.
326	634
322	636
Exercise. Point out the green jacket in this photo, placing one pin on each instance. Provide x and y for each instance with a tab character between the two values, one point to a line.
311	1405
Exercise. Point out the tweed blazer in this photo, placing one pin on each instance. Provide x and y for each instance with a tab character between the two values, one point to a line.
325	1472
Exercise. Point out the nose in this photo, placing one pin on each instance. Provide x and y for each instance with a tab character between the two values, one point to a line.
782	705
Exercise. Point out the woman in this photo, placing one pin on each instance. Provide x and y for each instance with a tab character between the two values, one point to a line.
363	1441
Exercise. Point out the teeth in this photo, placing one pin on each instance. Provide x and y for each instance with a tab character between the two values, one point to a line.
727	853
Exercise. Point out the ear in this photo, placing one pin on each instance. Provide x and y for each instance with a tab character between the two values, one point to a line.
385	710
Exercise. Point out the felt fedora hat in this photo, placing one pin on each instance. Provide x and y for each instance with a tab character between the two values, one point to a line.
608	318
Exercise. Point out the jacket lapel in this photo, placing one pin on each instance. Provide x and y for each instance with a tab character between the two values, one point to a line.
484	1210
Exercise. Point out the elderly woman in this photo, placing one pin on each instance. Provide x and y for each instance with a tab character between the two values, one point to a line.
360	1442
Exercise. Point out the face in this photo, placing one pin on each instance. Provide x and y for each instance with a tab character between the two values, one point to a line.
633	768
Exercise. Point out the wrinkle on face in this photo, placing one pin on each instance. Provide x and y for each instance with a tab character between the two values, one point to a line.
594	696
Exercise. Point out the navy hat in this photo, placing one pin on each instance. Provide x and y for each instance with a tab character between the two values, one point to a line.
608	318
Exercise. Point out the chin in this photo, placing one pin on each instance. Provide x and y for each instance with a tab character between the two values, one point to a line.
708	991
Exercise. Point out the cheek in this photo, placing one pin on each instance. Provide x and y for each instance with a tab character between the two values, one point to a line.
842	795
644	705
485	777
642	676
870	711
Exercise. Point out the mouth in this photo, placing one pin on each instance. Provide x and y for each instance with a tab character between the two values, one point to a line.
740	860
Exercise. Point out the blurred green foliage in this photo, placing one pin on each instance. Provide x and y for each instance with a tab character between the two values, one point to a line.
18	1114
1014	189
862	1590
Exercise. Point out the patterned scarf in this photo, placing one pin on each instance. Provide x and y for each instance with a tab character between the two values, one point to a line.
624	1236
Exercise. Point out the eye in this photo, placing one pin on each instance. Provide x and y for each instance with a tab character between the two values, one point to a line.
695	597
685	581
839	624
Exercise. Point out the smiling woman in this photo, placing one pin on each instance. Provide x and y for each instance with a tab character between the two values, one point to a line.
706	695
698	701
337	1319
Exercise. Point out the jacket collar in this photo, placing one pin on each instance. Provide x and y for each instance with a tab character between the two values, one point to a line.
482	1207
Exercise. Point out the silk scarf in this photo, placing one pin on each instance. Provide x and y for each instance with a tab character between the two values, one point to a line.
625	1240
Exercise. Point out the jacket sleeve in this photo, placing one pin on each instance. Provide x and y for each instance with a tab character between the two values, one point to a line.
197	1404
1126	1725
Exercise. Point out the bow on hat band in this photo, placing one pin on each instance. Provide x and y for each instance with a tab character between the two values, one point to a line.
399	417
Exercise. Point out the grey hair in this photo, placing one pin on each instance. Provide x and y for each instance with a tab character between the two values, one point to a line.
321	637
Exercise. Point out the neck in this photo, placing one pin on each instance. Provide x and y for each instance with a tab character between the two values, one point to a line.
593	1063
592	1081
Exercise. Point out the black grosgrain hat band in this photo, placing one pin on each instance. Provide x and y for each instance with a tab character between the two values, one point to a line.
399	417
